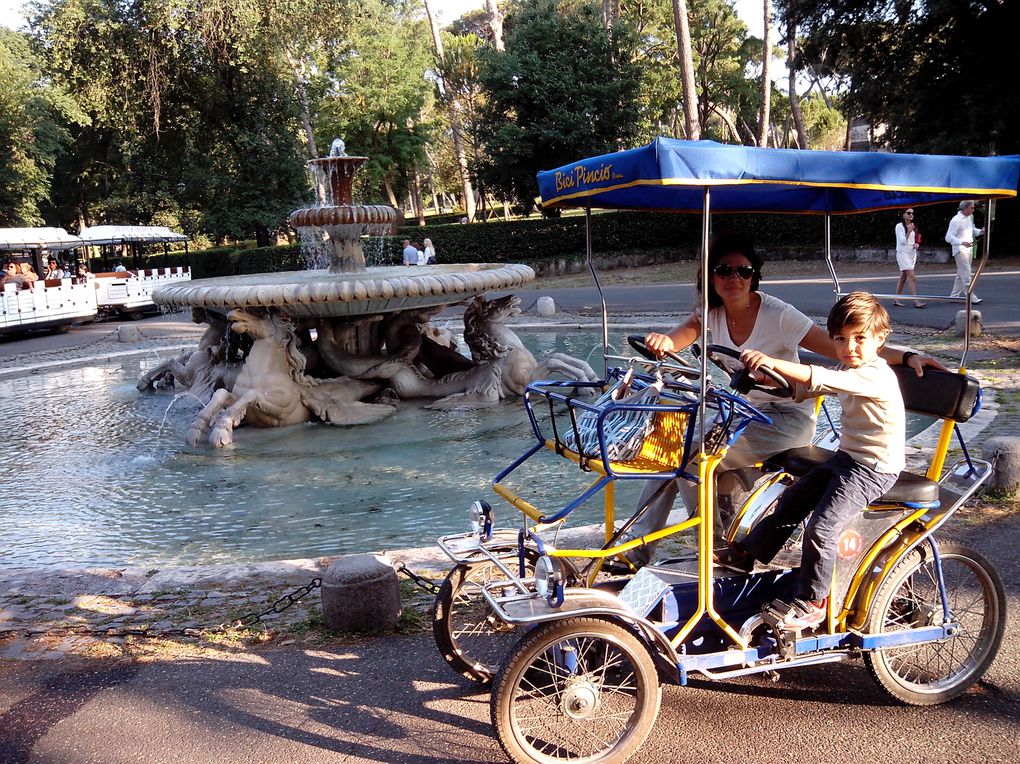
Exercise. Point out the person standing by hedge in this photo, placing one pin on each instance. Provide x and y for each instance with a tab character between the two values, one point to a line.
430	253
908	239
410	253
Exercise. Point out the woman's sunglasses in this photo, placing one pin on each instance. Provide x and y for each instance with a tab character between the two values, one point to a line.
725	271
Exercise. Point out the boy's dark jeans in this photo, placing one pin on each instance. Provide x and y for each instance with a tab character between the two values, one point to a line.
834	491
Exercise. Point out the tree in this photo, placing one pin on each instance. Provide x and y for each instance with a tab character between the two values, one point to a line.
34	120
564	88
938	75
692	126
720	52
192	101
766	80
791	60
455	126
374	92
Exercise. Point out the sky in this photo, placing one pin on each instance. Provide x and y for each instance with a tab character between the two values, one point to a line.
749	10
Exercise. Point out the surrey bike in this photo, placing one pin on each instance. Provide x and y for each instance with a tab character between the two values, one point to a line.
926	614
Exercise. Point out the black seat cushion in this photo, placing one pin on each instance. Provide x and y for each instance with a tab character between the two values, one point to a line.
908	487
911	487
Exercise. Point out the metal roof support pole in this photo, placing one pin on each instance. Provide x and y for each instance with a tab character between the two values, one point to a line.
706	211
974	278
828	256
598	286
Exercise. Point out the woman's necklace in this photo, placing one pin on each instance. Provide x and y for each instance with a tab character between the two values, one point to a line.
735	319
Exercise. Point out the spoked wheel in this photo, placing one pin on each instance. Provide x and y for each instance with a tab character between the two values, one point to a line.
578	690
935	672
473	642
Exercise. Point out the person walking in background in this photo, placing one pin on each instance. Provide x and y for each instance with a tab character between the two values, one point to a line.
908	239
430	253
960	236
410	253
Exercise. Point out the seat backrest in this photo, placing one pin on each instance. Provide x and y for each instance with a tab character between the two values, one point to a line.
942	394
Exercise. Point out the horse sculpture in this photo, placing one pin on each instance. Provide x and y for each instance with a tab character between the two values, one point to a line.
500	365
272	390
251	367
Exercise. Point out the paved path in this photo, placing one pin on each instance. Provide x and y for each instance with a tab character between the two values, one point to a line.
391	699
305	697
813	295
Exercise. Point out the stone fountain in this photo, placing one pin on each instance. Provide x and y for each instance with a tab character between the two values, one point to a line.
346	343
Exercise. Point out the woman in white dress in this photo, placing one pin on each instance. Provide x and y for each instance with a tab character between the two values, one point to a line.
908	239
430	253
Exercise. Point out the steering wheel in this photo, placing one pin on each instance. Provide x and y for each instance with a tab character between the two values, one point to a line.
682	368
742	381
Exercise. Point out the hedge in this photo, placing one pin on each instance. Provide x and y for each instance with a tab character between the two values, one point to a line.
531	241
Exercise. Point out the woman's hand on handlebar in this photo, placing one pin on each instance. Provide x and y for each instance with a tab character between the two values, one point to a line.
755	359
660	344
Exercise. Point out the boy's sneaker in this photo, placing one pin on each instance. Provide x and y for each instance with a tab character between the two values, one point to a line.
803	615
734	558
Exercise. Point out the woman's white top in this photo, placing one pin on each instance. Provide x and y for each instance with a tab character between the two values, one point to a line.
778	331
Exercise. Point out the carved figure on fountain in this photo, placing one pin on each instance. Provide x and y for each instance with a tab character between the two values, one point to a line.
272	389
214	365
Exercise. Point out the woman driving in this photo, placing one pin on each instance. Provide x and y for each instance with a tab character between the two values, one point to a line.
739	316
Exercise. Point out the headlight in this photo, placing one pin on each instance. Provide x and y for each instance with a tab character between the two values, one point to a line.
549	579
482	519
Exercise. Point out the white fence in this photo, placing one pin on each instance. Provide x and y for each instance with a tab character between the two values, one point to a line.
127	292
50	303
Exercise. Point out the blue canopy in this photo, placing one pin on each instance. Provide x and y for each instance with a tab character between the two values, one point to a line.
671	175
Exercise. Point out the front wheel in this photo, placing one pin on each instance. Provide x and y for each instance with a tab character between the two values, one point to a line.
934	672
578	690
469	638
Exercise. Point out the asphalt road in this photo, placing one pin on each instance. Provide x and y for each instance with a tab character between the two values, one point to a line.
1000	310
392	699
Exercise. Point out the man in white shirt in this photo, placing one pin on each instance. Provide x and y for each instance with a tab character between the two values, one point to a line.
960	236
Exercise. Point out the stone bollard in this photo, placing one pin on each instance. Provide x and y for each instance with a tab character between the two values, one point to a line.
1004	453
360	592
127	333
546	306
975	322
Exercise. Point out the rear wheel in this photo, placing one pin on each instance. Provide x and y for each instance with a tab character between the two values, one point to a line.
935	672
578	690
469	638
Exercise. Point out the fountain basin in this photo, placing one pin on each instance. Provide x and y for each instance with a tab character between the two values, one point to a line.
320	293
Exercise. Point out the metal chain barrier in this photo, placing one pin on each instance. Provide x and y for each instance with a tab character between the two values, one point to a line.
246	620
422	583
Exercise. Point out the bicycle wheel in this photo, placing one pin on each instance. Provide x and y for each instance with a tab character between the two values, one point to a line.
934	672
470	640
579	690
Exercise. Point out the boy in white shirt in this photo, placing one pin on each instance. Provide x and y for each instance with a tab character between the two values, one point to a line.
869	459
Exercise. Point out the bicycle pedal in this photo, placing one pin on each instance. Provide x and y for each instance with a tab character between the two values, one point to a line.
774	613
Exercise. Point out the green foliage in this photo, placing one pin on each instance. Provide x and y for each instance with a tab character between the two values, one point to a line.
194	113
564	88
938	74
375	96
34	120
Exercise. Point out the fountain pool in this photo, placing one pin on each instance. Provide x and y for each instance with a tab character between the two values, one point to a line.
97	474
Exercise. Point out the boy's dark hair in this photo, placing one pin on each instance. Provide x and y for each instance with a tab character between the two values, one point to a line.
858	309
730	244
